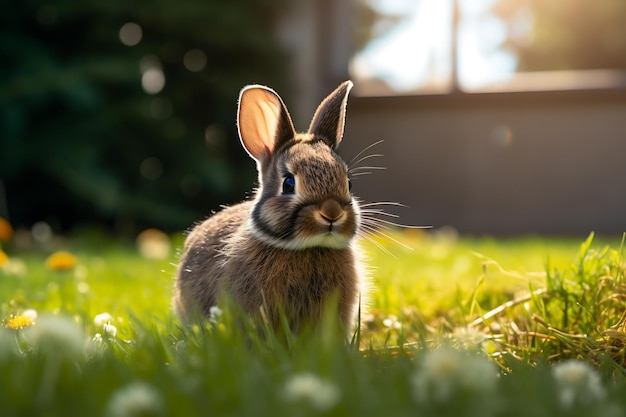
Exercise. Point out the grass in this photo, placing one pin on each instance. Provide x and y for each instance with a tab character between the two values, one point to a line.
456	326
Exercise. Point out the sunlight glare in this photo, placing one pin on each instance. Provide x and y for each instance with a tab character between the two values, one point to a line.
417	53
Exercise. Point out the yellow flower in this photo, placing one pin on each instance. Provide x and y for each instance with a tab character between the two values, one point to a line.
6	231
61	260
17	322
4	258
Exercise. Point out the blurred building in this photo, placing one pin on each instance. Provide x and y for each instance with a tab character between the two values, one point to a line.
525	152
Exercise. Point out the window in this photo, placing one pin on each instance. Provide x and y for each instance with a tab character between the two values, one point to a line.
439	46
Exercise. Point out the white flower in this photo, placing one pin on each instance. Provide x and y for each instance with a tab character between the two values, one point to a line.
446	372
56	336
102	318
392	322
109	329
578	383
215	313
97	338
321	394
31	314
467	338
135	399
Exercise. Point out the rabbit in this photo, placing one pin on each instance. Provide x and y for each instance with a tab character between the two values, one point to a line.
291	248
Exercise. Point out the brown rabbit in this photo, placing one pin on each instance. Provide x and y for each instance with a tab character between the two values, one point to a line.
291	248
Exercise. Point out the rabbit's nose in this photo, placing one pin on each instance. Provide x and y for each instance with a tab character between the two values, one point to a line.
331	211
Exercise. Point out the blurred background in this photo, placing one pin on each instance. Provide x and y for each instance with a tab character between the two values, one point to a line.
498	116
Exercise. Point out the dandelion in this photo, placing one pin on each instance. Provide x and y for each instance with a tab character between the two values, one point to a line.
6	231
321	394
467	338
215	313
4	258
135	399
61	260
20	321
446	373
578	383
17	322
56	335
30	313
392	322
102	318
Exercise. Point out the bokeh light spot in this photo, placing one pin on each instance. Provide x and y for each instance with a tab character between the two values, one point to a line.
153	80
153	244
130	34
195	60
42	232
502	135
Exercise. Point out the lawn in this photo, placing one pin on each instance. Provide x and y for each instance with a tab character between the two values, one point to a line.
453	326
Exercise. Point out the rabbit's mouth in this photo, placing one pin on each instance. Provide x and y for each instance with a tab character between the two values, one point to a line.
329	225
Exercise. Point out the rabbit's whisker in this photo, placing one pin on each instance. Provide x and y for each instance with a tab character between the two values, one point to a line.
383	203
382	248
378	212
373	168
378	232
390	223
365	158
367	148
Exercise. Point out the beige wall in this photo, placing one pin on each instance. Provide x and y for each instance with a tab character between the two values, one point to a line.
450	158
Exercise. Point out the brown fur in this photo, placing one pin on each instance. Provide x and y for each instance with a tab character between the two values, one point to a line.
289	252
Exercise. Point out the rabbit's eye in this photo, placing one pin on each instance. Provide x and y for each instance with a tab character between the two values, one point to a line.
289	184
349	184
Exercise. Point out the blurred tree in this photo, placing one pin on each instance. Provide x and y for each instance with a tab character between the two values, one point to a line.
565	34
371	23
123	113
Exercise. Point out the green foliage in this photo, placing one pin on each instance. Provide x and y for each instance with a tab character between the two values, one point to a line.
470	352
82	142
575	315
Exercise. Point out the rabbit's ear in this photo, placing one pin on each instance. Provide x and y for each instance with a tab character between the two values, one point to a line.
330	117
263	122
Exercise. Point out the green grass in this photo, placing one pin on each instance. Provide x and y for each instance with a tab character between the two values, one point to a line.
456	326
